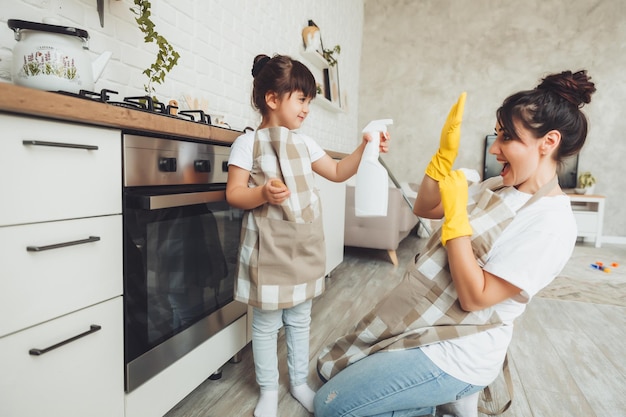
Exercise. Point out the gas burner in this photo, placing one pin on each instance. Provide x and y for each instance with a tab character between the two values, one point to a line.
142	103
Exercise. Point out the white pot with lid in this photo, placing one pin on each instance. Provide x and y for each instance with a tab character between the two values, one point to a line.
53	57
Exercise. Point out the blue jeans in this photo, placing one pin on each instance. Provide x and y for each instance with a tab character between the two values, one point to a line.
265	327
389	384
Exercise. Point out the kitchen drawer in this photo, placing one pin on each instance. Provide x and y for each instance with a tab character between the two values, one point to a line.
41	285
84	377
43	182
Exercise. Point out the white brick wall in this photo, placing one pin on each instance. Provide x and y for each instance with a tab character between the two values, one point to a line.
217	41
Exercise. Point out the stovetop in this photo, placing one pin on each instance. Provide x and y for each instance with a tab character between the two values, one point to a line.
142	103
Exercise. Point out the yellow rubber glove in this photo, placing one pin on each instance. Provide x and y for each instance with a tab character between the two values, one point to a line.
441	163
453	190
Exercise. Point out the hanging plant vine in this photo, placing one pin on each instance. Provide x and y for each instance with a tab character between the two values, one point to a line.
329	55
166	58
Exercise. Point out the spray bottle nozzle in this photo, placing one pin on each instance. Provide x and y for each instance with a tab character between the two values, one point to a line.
378	125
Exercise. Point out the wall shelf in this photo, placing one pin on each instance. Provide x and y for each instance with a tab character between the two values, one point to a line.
326	104
315	58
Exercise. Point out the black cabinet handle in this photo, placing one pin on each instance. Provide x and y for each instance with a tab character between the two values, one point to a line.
62	245
59	145
92	329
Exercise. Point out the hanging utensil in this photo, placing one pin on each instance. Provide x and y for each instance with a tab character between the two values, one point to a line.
101	12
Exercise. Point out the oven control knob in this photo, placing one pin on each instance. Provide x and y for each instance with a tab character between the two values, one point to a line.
167	164
202	165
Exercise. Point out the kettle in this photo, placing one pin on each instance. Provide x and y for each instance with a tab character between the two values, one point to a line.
52	57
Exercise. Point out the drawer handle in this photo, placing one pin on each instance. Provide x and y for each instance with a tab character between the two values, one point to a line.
60	145
92	329
62	245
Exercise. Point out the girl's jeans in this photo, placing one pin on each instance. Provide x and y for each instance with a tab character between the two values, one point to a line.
265	327
401	383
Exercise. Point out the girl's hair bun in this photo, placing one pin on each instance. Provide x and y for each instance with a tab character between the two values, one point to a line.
259	63
576	87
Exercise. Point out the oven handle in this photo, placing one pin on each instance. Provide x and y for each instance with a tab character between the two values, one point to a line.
156	202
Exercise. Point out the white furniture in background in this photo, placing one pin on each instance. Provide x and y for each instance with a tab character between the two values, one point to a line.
589	214
61	333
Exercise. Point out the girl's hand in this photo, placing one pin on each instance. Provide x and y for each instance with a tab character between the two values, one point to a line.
275	191
383	146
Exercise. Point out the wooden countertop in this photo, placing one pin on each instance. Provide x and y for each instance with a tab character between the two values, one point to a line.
28	101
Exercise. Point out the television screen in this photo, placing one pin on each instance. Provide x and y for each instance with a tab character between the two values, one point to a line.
568	172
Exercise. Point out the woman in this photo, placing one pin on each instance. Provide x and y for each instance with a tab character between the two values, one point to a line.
441	336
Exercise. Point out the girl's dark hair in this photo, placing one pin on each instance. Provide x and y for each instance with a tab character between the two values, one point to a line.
553	105
281	75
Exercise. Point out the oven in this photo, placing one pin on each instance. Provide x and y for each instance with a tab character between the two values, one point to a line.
181	240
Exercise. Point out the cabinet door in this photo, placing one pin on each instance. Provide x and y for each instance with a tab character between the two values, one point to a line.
333	196
52	279
84	377
53	170
587	222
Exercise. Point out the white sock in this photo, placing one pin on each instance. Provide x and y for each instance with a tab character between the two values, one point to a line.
267	405
305	395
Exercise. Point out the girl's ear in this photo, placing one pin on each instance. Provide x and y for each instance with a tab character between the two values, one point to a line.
271	99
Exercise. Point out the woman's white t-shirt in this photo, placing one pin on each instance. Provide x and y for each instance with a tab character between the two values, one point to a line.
529	254
242	148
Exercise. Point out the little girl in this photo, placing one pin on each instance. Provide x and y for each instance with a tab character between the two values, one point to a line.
282	254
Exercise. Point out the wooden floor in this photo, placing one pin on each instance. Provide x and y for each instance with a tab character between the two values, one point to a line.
568	358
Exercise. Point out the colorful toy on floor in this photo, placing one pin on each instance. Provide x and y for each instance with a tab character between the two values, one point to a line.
600	266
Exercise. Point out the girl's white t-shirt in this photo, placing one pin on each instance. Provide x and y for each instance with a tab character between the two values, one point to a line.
242	148
529	254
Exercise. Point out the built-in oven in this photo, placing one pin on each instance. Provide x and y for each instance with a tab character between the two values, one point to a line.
180	251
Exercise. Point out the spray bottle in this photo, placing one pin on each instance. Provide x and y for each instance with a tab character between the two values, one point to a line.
372	181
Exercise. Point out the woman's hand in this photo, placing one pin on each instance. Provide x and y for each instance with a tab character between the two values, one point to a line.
441	163
453	190
275	191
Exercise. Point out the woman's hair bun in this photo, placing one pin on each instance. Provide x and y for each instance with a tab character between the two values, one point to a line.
576	87
259	63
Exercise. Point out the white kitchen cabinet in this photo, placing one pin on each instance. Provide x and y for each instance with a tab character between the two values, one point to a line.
333	197
61	310
41	284
81	378
53	170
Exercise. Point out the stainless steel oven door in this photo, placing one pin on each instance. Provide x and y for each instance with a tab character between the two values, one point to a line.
180	256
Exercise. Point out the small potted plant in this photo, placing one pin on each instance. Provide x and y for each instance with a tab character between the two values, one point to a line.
586	183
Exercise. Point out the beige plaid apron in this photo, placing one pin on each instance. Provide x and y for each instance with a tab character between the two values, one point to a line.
424	307
282	256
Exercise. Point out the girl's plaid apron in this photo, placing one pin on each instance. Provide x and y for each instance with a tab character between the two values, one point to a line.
424	307
282	256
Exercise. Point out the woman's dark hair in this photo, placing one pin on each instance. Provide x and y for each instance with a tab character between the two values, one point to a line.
553	105
281	75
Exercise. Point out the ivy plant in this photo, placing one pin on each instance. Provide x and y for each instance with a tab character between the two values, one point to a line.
166	58
329	55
